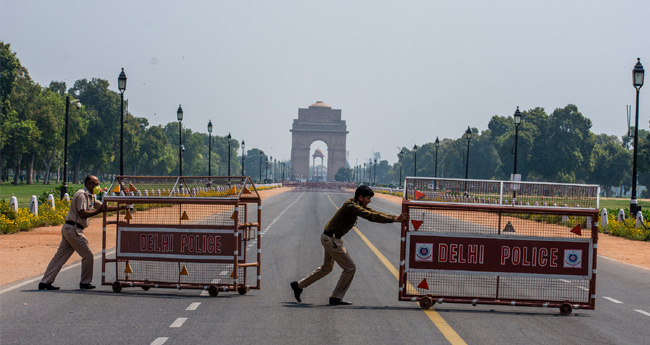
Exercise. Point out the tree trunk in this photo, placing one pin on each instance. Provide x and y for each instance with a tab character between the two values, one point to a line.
47	163
29	173
77	168
17	170
2	161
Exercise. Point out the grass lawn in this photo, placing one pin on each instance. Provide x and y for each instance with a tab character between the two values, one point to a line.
613	204
24	192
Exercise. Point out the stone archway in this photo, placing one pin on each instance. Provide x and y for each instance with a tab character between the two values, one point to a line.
318	122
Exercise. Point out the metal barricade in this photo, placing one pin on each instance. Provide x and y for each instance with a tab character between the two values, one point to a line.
499	242
184	233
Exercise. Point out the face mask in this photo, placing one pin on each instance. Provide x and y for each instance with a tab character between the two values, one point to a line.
97	190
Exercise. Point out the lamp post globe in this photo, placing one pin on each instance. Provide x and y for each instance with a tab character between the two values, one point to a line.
121	85
179	116
637	80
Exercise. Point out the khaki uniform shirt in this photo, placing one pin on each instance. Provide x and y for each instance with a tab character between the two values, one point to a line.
346	217
83	199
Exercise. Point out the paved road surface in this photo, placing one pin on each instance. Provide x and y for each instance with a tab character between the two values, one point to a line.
292	223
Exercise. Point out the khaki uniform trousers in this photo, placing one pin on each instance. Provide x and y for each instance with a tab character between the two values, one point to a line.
73	240
334	252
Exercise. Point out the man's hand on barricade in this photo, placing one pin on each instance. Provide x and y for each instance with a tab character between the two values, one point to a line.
402	217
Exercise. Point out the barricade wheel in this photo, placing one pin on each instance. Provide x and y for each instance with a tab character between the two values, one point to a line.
566	309
426	302
213	291
242	290
117	286
146	288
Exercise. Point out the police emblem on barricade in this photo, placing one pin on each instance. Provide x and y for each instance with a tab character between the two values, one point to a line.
573	258
424	252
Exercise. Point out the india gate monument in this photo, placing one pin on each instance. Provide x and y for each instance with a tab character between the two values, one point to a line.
318	122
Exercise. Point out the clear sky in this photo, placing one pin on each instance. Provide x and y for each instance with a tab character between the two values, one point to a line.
402	72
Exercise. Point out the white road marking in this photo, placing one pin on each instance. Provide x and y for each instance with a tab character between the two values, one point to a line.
583	288
194	305
642	312
613	300
179	322
96	257
159	341
564	280
205	293
280	215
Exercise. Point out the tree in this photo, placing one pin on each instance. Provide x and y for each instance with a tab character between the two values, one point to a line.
562	150
98	147
609	159
158	157
343	175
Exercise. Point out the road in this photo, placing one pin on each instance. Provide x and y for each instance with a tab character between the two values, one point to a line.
292	224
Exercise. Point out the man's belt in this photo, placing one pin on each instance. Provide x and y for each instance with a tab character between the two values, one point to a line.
331	234
69	222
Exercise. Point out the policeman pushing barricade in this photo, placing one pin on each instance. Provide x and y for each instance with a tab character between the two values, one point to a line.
342	221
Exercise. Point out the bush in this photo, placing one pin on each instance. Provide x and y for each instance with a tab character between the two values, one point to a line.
23	220
626	229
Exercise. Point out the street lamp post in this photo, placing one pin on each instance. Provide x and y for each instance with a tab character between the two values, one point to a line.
210	148
401	166
243	146
364	173
121	85
261	154
275	170
435	169
637	74
229	141
415	160
468	136
179	116
517	117
375	181
266	168
64	188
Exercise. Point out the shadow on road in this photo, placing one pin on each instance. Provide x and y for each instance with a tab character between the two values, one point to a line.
439	310
327	306
127	293
518	312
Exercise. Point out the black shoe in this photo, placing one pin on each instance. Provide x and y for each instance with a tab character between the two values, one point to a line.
296	290
86	286
48	286
338	301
